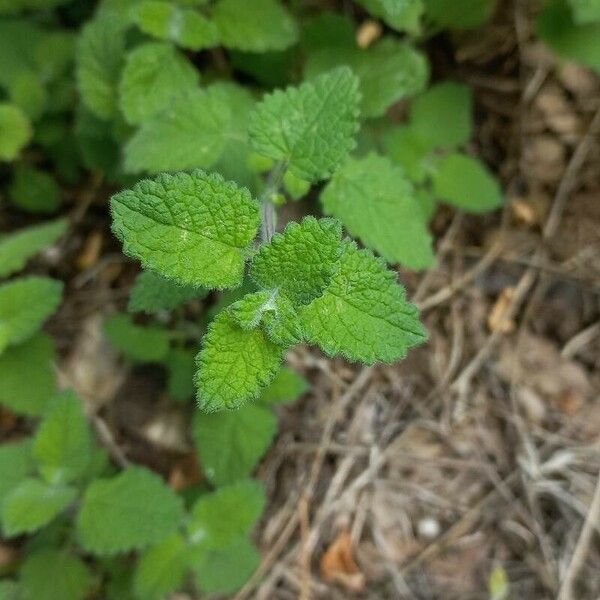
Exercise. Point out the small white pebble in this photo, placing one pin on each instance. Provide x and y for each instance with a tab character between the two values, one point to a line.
428	528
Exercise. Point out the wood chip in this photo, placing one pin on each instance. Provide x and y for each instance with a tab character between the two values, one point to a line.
338	564
369	32
497	320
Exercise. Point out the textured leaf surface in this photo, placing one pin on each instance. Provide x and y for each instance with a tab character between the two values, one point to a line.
376	202
224	571
185	27
15	465
388	72
188	134
231	443
161	569
255	26
152	293
234	364
17	248
154	75
55	575
35	191
300	261
286	388
144	343
363	314
441	117
310	127
33	504
25	304
63	444
194	228
15	131
27	391
131	511
466	183
99	61
221	517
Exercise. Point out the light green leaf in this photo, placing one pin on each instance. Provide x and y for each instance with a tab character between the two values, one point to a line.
255	26
226	570
161	569
441	117
585	11
33	504
221	517
27	391
25	304
100	55
181	366
407	150
459	14
402	15
194	227
286	388
15	465
295	186
142	343
232	443
234	364
131	511
153	293
15	131
310	127
388	72
363	314
10	590
299	262
185	27
17	248
188	134
376	202
467	183
578	42
34	191
154	75
63	444
54	575
29	93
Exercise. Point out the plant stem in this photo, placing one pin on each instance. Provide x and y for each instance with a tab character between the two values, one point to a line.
267	207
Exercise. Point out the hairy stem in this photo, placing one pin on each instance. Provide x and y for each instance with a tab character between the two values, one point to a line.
267	206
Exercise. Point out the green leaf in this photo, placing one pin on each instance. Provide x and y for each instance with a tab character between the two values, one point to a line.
188	134
300	261
578	42
226	570
401	15
286	388
63	444
194	227
131	511
35	191
407	150
55	575
17	248
295	186
459	14
184	27
15	131
221	517
153	293
145	344
328	29
33	504
310	127
181	366
467	183
376	202
28	93
255	26
161	569
27	391
25	304
154	75
363	314
232	443
234	364
100	55
15	465
388	72
10	590
441	117
585	11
